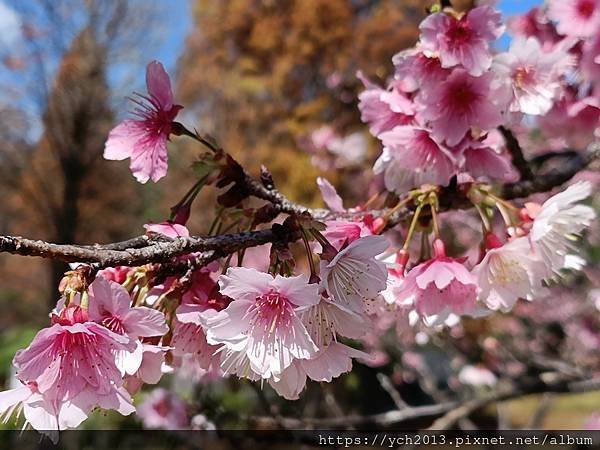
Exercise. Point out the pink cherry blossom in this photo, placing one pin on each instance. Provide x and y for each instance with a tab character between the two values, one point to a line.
459	103
411	148
200	302
507	273
74	359
117	274
438	287
341	232
534	23
110	306
382	109
261	327
144	140
163	409
560	219
189	337
484	159
533	75
576	18
573	120
43	415
463	41
327	364
354	276
151	368
417	70
325	322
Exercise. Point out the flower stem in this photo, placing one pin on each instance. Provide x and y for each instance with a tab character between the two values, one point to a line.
183	131
413	226
484	219
434	216
311	262
85	299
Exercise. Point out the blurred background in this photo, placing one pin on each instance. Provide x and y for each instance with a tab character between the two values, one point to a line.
261	76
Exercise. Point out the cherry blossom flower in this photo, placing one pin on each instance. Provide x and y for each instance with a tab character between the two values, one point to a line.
70	369
438	287
151	368
508	272
459	103
110	306
324	321
462	41
534	23
483	159
417	70
559	220
144	140
43	415
164	410
342	232
328	364
189	338
117	274
322	137
199	303
261	327
412	149
533	75
576	18
382	109
573	120
354	276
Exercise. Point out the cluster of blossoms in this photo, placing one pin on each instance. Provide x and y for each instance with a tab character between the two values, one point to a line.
438	117
120	328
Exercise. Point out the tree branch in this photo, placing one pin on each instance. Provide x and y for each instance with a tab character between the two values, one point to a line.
450	412
515	150
156	252
158	249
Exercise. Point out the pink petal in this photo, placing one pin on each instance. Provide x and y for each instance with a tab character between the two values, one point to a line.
145	322
107	298
149	158
159	84
297	290
122	139
244	283
330	196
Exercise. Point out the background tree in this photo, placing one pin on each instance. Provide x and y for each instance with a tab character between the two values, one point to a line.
262	75
74	60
